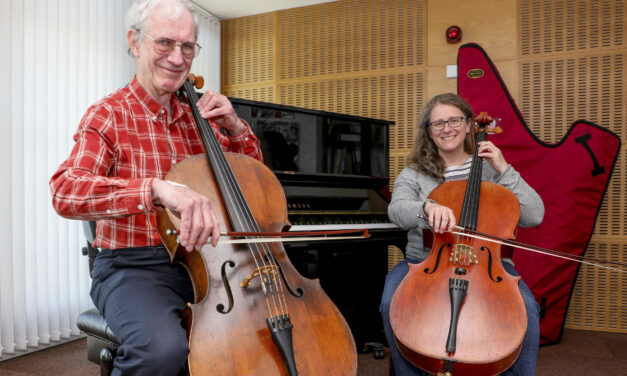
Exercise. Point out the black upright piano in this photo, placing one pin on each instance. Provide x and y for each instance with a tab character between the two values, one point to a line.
335	174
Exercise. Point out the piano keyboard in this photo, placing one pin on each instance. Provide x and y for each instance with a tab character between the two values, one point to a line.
345	226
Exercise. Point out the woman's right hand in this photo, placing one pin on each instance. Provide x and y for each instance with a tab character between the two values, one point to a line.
441	218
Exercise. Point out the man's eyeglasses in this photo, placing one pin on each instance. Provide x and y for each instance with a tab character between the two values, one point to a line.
164	46
453	122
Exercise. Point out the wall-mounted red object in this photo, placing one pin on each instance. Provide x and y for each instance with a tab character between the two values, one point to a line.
453	34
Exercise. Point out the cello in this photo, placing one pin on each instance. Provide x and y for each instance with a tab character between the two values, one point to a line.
253	313
459	312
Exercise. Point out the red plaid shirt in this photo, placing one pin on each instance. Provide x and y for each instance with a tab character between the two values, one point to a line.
123	142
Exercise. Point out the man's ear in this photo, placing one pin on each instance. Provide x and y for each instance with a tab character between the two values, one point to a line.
133	45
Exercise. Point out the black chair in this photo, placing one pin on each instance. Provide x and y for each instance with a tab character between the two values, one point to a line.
101	342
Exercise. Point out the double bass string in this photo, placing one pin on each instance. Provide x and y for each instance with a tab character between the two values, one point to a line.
232	193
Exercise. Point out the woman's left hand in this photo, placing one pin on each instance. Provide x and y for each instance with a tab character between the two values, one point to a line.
489	152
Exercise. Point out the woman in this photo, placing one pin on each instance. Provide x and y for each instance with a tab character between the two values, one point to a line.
442	152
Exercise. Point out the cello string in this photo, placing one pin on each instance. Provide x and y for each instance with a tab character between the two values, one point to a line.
477	166
218	161
270	268
248	222
470	205
470	200
231	194
476	193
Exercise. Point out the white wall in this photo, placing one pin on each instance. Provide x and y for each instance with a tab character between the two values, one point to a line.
58	56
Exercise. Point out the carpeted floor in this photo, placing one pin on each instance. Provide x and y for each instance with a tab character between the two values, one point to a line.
579	353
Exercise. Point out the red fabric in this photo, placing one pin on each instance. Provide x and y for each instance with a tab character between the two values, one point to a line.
565	175
123	142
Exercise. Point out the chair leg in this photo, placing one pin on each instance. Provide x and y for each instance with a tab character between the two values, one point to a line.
106	362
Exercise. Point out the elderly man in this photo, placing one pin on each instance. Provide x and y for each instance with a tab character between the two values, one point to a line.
125	145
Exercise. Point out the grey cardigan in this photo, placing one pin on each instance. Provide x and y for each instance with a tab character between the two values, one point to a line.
411	190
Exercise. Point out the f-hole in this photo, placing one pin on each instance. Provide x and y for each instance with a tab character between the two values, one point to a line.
298	292
437	261
227	287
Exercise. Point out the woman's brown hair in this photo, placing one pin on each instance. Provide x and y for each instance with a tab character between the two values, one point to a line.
424	156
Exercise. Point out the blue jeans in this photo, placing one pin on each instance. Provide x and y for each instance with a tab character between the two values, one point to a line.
525	365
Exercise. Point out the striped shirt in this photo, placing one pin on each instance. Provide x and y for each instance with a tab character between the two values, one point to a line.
458	172
123	142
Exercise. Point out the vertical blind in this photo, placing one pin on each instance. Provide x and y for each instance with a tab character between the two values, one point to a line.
59	56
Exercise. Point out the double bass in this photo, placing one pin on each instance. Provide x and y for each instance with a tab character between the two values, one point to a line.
253	313
459	312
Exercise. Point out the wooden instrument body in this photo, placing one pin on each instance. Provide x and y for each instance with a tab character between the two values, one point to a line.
492	319
239	342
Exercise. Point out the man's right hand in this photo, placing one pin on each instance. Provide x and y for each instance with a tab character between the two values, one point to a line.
198	221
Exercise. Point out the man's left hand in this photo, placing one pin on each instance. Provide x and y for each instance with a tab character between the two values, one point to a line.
217	107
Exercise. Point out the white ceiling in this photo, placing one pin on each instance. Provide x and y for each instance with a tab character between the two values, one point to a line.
225	9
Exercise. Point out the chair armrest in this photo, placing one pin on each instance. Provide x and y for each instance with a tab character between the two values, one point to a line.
92	323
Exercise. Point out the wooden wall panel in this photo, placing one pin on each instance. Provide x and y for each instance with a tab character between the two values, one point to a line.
558	26
395	255
248	51
398	161
599	301
572	66
262	93
350	36
491	23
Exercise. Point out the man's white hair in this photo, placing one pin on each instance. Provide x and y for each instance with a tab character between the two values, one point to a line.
138	15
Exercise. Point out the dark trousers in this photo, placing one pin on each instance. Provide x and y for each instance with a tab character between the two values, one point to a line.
141	295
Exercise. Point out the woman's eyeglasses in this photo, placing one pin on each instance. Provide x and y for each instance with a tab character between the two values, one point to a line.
164	46
453	122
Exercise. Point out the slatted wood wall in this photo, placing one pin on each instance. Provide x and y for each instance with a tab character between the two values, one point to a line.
573	66
562	61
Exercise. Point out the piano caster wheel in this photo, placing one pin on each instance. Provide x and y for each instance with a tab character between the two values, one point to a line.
377	349
378	354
